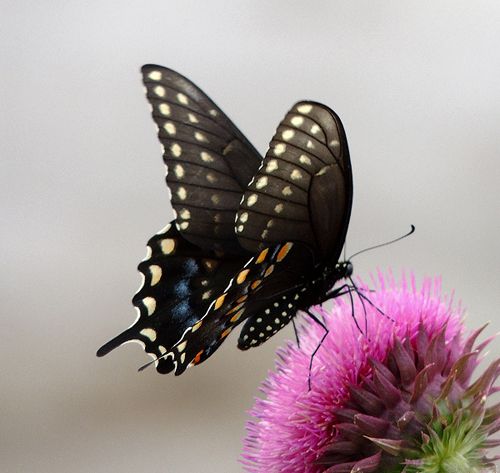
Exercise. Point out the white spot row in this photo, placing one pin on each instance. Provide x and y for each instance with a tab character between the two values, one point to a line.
199	136
252	199
185	214
176	149
182	98
179	171
304	159
305	108
160	91
272	165
155	75
164	109
261	182
280	148
206	157
169	127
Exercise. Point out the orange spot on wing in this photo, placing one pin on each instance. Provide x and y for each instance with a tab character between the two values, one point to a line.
197	358
237	316
269	271
235	308
256	284
225	333
262	256
284	251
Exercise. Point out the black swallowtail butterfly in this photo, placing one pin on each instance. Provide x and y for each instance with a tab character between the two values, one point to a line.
253	240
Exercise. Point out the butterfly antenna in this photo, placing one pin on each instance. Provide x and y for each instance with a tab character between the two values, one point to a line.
380	245
149	363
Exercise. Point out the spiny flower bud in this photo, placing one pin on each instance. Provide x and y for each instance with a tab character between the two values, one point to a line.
398	398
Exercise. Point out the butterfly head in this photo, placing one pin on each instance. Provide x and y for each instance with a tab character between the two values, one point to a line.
344	269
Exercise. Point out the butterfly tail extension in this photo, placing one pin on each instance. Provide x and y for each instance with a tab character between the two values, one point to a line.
114	343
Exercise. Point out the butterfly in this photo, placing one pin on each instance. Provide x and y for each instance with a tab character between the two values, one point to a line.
254	240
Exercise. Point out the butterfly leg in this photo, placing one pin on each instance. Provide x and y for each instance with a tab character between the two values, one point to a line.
296	333
319	322
359	292
340	291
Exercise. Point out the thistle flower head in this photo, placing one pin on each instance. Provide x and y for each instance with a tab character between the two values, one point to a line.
397	398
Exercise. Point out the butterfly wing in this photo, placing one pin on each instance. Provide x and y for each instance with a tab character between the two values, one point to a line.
209	161
303	191
282	295
295	211
180	281
258	284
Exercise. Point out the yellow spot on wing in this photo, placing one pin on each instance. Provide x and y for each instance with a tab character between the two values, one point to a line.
220	301
149	333
167	246
155	272
196	326
150	304
242	276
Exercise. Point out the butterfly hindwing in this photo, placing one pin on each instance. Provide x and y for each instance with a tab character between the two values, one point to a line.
264	279
209	161
305	177
180	280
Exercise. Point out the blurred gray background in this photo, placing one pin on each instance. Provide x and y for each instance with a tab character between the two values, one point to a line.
82	188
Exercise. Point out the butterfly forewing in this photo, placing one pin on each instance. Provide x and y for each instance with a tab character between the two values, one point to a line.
209	161
279	203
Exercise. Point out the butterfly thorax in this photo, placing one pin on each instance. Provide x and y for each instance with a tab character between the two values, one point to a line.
323	280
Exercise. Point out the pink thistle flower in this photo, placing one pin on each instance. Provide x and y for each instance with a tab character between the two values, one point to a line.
395	399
